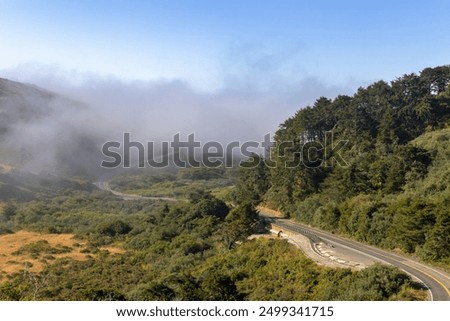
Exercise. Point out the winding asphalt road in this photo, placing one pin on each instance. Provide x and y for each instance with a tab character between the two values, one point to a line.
437	281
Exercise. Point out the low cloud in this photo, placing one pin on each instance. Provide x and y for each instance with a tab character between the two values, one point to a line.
250	104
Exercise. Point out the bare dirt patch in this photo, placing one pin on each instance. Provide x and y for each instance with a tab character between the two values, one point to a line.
32	250
265	211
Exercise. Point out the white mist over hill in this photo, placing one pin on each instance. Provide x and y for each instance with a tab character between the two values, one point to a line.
80	112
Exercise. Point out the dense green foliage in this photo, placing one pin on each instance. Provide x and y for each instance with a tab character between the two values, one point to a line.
257	270
389	186
196	250
268	269
252	181
374	166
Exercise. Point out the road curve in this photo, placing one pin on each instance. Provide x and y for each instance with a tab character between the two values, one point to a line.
104	185
437	281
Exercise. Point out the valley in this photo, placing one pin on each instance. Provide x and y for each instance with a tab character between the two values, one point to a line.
70	230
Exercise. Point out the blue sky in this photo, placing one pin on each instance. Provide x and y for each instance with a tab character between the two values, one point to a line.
215	44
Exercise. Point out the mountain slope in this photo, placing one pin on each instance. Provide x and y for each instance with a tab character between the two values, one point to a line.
388	182
41	131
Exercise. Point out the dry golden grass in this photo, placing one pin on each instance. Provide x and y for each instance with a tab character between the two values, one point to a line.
269	211
10	243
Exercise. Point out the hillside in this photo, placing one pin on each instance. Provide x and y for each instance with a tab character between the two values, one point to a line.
373	166
41	131
195	250
391	190
22	103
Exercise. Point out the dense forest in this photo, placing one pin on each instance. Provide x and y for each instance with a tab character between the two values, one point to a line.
383	178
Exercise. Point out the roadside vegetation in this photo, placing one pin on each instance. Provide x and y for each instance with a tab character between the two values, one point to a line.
393	192
388	186
196	250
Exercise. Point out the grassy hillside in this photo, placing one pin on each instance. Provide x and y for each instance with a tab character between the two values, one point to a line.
436	183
